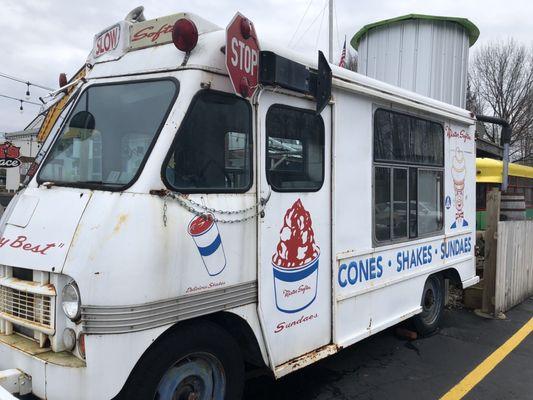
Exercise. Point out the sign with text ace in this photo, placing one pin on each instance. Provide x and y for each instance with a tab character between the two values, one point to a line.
242	55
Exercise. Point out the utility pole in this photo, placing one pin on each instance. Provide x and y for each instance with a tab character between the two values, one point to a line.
330	55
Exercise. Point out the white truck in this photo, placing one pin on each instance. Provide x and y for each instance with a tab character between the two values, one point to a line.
209	202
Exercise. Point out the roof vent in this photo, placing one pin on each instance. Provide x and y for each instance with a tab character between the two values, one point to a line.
136	15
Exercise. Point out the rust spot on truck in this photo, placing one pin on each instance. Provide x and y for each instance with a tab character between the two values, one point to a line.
122	218
159	192
306	359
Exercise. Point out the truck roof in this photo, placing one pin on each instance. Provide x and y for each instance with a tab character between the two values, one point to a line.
155	52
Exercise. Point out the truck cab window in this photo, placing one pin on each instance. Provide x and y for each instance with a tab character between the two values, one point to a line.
108	134
295	149
212	151
408	174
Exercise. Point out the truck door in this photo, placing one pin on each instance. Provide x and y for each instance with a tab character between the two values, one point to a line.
294	245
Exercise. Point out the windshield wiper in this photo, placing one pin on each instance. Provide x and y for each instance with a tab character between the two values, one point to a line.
99	183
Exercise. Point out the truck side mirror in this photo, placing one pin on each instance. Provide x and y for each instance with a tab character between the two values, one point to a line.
82	120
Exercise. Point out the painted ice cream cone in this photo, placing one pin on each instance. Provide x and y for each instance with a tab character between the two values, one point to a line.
295	262
458	170
459	176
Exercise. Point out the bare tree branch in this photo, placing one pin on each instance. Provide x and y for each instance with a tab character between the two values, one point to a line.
501	83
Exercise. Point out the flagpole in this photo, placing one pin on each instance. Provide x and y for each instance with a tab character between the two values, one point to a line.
330	58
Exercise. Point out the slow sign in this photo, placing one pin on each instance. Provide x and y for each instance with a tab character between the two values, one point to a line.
107	41
242	55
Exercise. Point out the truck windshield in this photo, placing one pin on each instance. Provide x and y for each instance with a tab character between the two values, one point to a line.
109	133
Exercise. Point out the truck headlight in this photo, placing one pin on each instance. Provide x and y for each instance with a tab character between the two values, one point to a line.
71	301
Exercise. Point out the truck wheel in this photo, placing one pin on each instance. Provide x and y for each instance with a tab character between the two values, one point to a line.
432	306
198	361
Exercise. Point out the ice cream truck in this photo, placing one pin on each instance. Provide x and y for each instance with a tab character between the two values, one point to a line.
210	203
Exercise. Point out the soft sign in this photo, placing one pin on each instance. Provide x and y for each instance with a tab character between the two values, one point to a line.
153	32
242	55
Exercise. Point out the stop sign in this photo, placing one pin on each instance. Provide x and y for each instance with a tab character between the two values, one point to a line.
242	55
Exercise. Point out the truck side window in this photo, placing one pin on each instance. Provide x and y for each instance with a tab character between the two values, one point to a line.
212	151
408	176
295	149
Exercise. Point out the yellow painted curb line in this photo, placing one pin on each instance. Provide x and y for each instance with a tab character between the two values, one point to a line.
487	365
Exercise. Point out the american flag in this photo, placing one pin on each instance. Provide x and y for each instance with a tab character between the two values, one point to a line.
342	62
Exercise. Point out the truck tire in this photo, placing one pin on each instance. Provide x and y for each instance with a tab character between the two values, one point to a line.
198	361
432	304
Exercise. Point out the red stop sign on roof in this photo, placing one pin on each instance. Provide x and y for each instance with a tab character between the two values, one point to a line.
242	55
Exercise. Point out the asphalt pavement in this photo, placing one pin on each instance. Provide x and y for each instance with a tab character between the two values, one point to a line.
385	366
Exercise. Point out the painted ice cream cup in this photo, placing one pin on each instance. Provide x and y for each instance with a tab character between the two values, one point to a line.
206	236
295	288
458	170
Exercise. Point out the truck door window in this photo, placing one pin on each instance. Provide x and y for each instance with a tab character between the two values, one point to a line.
108	134
295	149
408	156
212	152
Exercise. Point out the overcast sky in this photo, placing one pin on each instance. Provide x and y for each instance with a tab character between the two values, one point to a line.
41	38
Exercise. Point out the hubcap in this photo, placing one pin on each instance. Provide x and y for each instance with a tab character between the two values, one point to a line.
199	376
431	301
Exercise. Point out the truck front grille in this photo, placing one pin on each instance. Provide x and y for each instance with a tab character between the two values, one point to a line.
28	304
30	307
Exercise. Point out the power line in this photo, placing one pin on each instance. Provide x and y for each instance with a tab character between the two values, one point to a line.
300	23
336	23
313	22
320	29
25	82
21	100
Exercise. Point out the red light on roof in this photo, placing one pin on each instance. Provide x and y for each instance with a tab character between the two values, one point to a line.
184	35
62	79
246	28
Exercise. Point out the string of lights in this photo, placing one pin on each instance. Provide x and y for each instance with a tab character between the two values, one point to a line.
26	82
21	108
22	100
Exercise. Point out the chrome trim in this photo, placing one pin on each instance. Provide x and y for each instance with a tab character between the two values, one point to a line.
102	320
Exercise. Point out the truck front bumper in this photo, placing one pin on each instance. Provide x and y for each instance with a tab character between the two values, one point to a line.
14	381
24	367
